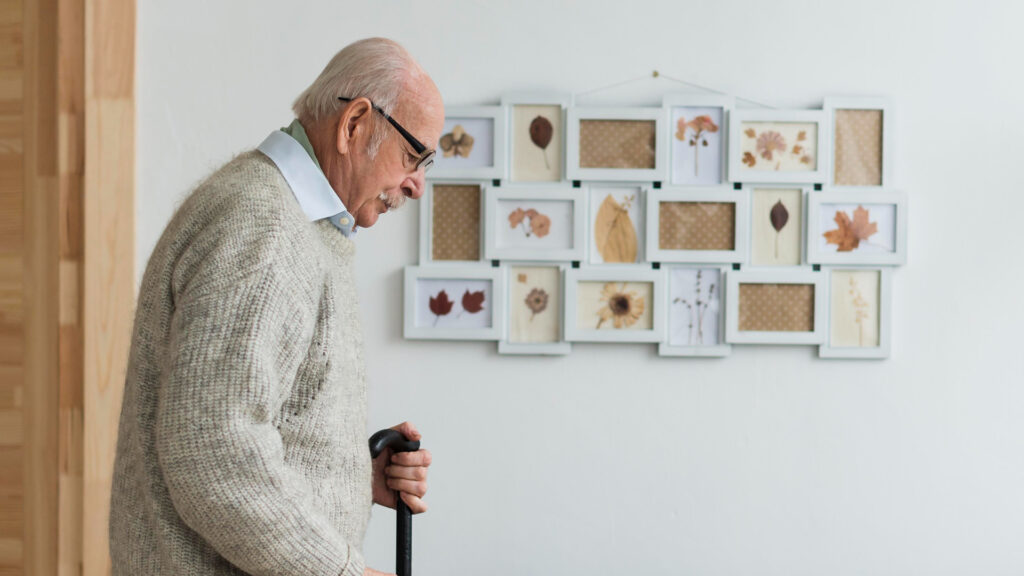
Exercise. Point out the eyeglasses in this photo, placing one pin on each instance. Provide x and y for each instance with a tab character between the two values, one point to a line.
426	158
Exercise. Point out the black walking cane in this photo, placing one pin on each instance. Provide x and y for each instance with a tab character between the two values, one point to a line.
403	544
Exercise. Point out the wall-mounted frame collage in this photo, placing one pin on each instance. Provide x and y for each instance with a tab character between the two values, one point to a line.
696	226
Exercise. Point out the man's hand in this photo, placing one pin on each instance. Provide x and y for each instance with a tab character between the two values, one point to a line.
405	472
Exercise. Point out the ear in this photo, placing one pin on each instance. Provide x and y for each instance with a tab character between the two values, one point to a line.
353	124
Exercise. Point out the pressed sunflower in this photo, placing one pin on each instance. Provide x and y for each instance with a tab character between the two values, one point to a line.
622	308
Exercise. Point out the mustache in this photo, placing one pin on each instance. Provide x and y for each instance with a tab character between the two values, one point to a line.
393	201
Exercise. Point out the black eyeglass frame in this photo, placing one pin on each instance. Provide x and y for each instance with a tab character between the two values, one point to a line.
425	160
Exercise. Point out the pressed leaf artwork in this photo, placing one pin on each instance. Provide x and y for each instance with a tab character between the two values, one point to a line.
779	216
779	146
614	233
776	226
533	304
851	233
458	142
701	298
536	143
540	134
446	303
532	222
440	305
473	302
621	307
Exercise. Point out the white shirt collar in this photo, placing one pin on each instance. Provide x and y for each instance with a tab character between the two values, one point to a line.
311	188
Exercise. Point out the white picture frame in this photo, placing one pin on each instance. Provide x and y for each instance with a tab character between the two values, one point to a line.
819	253
501	241
426	220
801	229
415	298
829	349
742	172
672	103
514	173
610	276
576	172
655	197
735	279
873	103
670	346
559	348
472	168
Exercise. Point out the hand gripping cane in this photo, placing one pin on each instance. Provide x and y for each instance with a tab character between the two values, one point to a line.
403	544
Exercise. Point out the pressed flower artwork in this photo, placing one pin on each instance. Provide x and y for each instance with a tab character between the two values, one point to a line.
466	143
625	144
614	305
534	307
453	303
536	143
616	224
779	146
861	228
540	224
697	145
695	305
853	315
776	224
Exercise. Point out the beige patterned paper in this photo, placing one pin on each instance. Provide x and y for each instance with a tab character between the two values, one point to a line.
858	144
625	144
776	308
456	222
697	226
854	314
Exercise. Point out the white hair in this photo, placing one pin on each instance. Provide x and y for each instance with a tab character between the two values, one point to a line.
374	68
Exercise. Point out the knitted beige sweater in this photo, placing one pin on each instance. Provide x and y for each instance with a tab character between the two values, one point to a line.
242	444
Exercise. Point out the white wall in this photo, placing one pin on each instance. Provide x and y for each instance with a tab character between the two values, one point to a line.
613	460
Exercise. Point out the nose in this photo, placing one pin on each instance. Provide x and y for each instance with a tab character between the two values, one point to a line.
414	185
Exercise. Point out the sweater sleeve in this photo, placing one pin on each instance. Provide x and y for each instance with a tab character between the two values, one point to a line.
234	354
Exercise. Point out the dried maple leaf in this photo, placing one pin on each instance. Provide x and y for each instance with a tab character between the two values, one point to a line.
849	234
750	133
473	302
440	305
749	159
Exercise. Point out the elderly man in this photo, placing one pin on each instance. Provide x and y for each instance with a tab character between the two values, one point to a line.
242	444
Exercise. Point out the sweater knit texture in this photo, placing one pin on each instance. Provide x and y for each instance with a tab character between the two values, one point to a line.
242	442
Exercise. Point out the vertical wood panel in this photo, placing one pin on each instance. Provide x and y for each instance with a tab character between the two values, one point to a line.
108	286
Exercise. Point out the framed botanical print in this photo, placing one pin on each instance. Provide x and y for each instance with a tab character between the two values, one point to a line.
536	136
776	224
775	307
696	225
616	144
857	226
859	313
778	146
696	312
535	303
535	223
614	304
861	129
698	130
616	224
451	228
472	144
454	303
